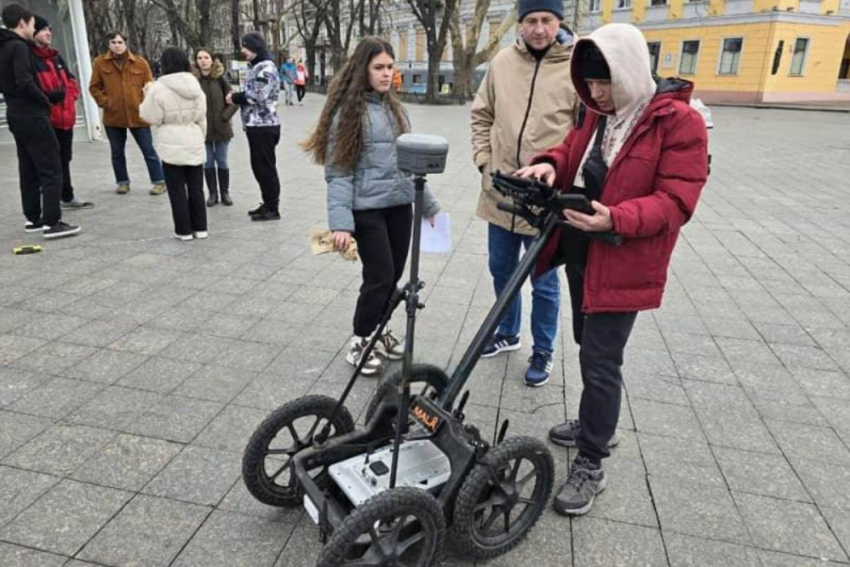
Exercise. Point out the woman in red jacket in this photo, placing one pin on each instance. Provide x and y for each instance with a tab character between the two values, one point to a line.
640	156
55	77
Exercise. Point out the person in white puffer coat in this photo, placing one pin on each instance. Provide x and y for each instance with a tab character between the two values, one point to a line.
176	108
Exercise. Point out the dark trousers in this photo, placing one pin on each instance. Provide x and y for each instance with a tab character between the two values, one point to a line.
602	338
261	143
117	144
39	168
383	238
300	90
66	146
185	185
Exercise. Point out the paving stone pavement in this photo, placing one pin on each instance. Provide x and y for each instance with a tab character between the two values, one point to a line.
133	367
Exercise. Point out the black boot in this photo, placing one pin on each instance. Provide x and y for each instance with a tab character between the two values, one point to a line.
224	187
212	185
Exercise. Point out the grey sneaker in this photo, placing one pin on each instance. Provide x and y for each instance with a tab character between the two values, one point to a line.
389	346
566	434
373	365
76	204
576	495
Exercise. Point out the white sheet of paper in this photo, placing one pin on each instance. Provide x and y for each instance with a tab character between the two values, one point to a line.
436	239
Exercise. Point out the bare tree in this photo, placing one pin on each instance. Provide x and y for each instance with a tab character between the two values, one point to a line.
430	13
370	17
234	27
339	28
465	54
99	22
203	8
309	18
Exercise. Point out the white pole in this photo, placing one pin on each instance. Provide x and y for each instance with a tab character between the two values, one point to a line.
81	44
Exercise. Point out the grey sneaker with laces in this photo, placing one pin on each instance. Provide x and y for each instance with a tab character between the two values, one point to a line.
389	346
576	495
373	365
566	434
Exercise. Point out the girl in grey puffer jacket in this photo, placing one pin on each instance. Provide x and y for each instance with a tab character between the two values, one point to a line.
367	194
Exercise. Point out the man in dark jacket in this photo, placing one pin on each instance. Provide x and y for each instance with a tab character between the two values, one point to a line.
640	156
28	115
258	102
53	75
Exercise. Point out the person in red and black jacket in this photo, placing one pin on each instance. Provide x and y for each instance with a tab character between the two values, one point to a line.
53	75
640	156
28	116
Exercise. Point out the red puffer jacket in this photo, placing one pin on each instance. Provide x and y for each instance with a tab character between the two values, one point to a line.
53	75
652	188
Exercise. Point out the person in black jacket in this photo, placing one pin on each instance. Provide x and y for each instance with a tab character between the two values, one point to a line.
28	116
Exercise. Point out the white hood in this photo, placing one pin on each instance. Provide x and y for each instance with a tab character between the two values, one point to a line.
184	84
625	51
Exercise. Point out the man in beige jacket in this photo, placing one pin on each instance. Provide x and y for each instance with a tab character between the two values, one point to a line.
524	106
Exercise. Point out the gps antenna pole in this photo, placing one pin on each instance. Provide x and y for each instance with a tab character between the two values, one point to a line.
414	286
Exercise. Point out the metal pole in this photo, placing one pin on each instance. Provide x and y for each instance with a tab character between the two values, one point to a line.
81	44
412	306
494	317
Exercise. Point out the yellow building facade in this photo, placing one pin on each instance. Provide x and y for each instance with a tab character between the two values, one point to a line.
743	51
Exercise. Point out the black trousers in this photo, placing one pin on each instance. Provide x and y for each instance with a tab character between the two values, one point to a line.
66	147
602	339
383	238
300	90
39	168
261	143
185	185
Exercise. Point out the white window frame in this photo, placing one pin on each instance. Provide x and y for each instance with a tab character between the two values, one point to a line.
624	4
805	61
696	57
740	55
595	6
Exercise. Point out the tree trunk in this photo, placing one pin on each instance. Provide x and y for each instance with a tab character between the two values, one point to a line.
204	22
465	57
428	12
234	27
255	4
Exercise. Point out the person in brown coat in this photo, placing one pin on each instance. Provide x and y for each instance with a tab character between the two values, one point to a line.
117	83
210	73
524	106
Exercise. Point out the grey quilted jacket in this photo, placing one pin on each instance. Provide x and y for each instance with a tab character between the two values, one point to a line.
376	182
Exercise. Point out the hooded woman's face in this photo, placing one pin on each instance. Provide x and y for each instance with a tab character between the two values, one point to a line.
601	93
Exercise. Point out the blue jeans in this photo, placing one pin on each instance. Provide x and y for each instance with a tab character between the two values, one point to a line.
216	154
504	249
118	141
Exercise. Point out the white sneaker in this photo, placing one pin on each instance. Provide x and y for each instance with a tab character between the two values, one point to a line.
389	347
183	237
201	234
373	365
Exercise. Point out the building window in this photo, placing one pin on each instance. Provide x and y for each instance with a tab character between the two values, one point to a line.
688	62
657	2
777	57
654	53
595	6
731	56
623	4
798	60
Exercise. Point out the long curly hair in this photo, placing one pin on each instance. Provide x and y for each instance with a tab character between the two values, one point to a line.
347	96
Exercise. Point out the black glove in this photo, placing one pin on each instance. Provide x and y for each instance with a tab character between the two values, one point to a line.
55	97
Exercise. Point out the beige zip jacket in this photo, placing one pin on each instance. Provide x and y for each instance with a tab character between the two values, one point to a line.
523	107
